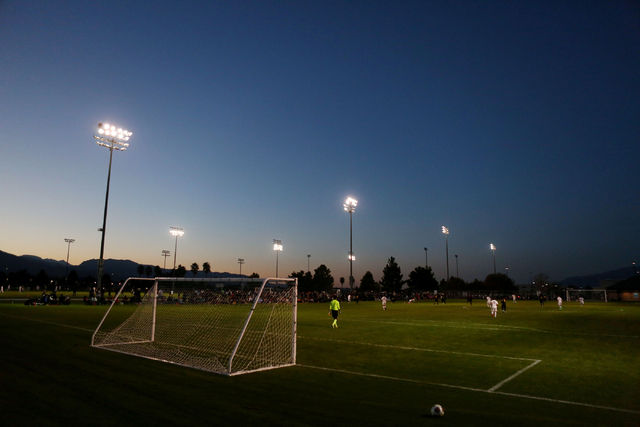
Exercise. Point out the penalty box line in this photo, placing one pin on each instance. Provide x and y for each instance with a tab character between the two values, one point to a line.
523	396
491	390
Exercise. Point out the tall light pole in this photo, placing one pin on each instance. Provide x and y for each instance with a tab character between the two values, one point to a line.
493	248
445	231
350	206
176	232
116	140
241	261
66	271
308	263
277	246
426	259
165	254
507	268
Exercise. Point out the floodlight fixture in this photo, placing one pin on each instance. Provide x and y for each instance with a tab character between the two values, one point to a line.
115	140
350	206
165	254
175	231
240	261
69	242
277	246
493	248
445	231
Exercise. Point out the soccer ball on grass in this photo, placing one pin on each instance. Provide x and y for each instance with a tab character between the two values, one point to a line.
437	411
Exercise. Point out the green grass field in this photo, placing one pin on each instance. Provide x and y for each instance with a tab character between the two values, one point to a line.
532	366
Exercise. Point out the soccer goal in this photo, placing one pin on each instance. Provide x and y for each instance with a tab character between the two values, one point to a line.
226	326
587	294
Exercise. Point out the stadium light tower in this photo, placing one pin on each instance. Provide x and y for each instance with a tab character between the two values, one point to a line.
308	262
165	254
493	248
445	231
277	246
66	271
350	206
176	232
116	139
426	259
241	261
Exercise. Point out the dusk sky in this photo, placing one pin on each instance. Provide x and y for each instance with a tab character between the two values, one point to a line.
512	123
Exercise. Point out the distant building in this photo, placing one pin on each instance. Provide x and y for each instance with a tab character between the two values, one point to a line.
626	290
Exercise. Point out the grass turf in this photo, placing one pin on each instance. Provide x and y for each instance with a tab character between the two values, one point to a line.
576	367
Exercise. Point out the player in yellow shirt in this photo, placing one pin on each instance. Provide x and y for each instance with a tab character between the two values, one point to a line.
334	310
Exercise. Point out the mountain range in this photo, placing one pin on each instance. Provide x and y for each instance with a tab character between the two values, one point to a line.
123	269
119	269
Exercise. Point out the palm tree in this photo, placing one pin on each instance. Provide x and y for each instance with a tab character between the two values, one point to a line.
194	268
206	268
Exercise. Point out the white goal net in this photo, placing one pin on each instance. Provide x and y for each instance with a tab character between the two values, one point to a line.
587	294
226	326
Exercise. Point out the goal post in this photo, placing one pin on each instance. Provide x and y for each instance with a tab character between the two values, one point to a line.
587	294
228	326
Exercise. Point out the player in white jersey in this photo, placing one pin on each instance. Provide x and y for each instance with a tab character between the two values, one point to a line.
514	298
559	303
489	302
384	302
581	301
494	308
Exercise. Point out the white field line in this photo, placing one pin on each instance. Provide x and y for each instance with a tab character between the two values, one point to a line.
501	383
420	349
523	396
482	326
44	321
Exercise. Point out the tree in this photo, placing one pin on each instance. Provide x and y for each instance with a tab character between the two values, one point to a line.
194	268
157	271
422	279
391	280
106	283
140	270
206	269
322	279
476	285
540	281
342	282
499	282
455	284
368	283
42	280
305	280
72	280
148	270
181	271
254	276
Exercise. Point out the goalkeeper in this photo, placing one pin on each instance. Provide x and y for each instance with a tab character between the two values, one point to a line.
334	310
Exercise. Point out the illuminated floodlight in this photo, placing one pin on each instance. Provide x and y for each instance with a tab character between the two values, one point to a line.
176	231
352	257
350	205
493	247
277	245
445	230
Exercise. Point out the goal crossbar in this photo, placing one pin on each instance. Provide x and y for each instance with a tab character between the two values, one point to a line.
228	326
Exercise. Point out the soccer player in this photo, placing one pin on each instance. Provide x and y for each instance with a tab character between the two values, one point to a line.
581	301
560	303
489	302
384	302
494	308
435	300
541	300
334	310
514	298
504	305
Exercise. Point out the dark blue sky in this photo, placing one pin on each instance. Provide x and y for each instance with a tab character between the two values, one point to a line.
510	123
